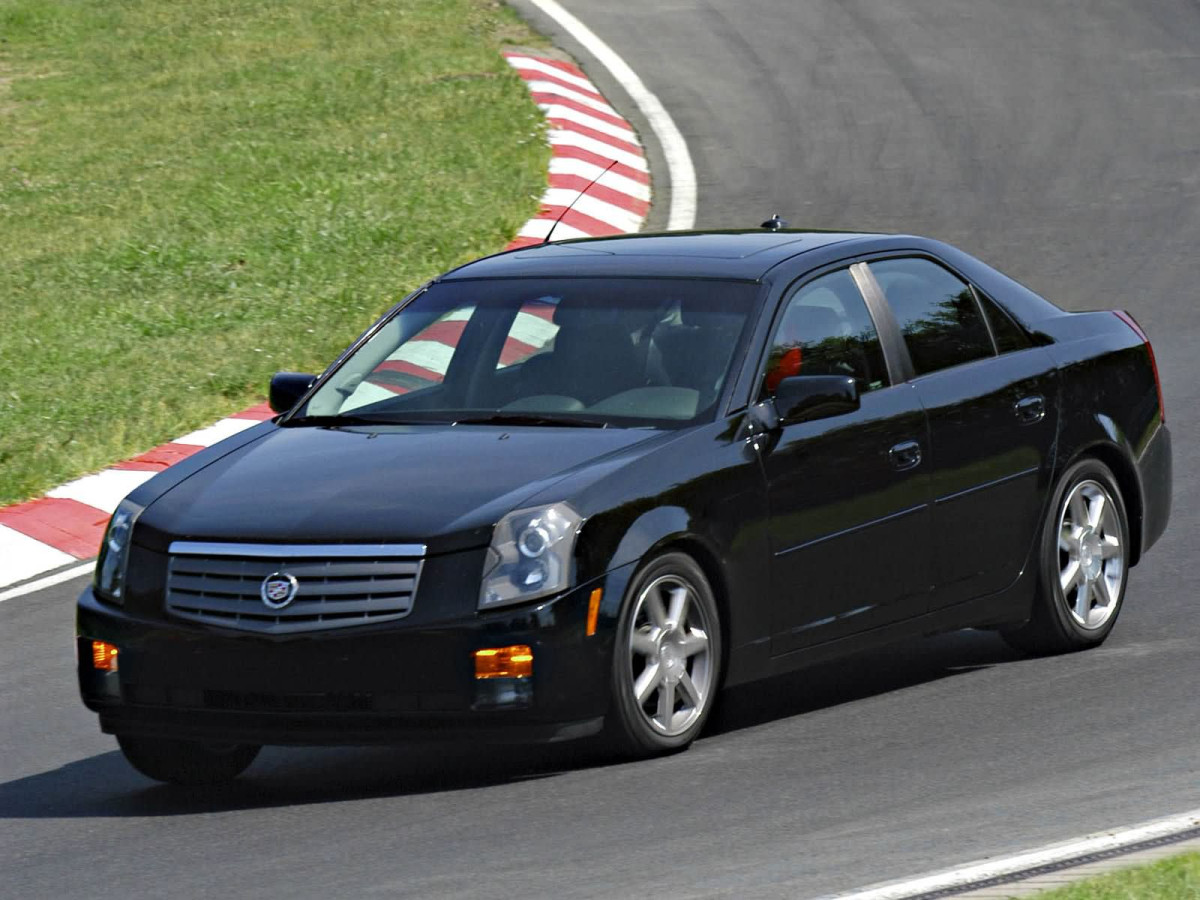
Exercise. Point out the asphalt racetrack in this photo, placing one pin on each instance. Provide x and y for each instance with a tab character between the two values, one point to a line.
1060	142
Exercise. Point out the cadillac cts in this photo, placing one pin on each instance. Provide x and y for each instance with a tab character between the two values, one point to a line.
579	487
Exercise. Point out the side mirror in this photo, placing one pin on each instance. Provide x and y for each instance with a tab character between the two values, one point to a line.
800	398
287	388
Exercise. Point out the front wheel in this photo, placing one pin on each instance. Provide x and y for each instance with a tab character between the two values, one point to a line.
666	658
187	762
1084	555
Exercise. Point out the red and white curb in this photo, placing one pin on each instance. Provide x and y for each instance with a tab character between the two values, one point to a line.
585	133
586	136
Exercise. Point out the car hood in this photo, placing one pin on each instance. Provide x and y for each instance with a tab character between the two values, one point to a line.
441	485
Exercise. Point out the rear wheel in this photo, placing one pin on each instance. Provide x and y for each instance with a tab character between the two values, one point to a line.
187	762
1084	553
666	660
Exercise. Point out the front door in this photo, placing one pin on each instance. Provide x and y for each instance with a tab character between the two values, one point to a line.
848	494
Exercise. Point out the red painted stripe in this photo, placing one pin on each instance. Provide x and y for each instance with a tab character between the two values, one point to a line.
260	413
600	192
568	125
531	75
447	333
559	100
387	386
541	310
66	525
399	365
569	152
159	458
515	351
576	219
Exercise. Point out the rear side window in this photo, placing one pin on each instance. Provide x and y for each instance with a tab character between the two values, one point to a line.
1008	334
937	313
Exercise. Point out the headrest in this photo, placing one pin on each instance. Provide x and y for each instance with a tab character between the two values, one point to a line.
810	325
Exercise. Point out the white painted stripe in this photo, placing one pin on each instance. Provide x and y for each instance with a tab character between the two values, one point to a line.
23	557
536	65
48	581
366	393
432	355
568	165
964	876
563	136
620	132
103	490
594	207
533	330
679	161
548	87
218	431
539	228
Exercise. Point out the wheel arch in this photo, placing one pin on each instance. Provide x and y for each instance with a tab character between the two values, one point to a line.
1129	483
667	529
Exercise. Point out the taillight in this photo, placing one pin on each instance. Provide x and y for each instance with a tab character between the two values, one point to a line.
1137	329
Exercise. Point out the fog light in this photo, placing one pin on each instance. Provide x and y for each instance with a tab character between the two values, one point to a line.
504	662
104	656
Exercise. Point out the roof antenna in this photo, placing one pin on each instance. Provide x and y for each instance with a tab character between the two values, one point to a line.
774	223
576	200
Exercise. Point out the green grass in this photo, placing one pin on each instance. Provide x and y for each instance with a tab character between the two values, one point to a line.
193	195
1177	878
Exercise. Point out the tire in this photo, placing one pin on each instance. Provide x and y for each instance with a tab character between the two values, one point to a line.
187	762
668	651
1081	580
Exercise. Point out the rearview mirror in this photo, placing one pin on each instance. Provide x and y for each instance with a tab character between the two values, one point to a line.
801	398
287	388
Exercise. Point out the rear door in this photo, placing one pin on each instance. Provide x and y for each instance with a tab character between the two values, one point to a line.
991	400
848	494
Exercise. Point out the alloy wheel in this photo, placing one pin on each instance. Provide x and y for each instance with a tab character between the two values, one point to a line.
669	654
1091	554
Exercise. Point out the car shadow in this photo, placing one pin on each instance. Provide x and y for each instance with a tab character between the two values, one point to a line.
858	676
104	785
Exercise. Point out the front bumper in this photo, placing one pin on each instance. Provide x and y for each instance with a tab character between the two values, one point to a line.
395	682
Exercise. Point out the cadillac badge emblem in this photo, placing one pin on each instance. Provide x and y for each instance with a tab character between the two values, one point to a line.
279	590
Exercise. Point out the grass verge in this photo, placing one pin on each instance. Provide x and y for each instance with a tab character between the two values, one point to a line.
193	195
1177	878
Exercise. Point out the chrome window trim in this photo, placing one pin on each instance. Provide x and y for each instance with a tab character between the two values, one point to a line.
282	551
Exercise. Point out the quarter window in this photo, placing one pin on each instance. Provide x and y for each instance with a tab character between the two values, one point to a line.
827	330
1008	334
937	313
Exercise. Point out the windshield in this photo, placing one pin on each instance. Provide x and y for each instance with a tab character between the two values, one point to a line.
585	351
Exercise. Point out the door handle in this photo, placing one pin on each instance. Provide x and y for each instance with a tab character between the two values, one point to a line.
1030	409
905	455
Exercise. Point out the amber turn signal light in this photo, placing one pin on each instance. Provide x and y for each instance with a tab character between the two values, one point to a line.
504	662
104	656
594	610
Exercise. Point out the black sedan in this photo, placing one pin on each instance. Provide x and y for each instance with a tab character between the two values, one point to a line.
580	487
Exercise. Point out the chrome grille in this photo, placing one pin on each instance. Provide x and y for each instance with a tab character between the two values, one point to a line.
339	585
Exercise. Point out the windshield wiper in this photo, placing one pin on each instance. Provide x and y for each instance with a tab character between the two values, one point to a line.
520	418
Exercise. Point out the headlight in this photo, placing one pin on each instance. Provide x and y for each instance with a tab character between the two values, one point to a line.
114	552
530	556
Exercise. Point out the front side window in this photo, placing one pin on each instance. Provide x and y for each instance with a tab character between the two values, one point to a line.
936	311
826	329
589	351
